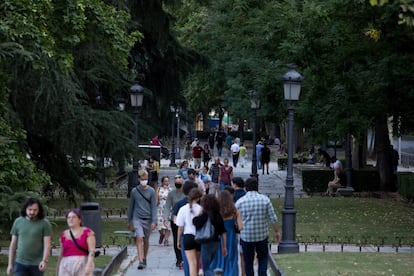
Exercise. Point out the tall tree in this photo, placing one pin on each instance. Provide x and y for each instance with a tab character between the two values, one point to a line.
57	59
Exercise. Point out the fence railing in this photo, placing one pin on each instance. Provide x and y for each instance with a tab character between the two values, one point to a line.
407	159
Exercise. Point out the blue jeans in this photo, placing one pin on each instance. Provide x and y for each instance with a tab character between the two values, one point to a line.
249	248
223	184
208	252
219	150
259	164
185	262
26	270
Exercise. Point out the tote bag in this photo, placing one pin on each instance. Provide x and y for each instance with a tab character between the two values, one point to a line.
205	233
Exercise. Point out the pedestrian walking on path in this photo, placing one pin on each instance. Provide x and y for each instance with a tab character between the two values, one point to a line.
142	213
256	211
186	228
30	241
173	197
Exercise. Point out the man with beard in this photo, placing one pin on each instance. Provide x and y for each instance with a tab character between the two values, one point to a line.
30	242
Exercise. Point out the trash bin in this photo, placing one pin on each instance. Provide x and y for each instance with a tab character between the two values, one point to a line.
91	217
132	182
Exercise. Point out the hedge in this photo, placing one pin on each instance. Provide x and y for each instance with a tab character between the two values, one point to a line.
316	181
406	185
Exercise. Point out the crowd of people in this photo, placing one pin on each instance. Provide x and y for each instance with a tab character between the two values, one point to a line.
206	192
239	214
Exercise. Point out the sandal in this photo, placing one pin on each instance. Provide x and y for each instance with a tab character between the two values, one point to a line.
166	243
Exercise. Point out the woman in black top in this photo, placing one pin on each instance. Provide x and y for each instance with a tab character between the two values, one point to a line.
211	209
206	155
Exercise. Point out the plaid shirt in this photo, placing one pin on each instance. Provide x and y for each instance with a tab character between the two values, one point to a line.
256	211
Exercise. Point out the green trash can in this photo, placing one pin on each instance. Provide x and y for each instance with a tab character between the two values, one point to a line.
91	217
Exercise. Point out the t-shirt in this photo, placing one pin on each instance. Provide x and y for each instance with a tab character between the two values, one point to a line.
30	235
242	151
226	174
234	148
214	172
70	248
185	217
197	150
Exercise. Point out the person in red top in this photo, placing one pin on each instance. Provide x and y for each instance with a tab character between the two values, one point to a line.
155	141
197	150
76	260
226	174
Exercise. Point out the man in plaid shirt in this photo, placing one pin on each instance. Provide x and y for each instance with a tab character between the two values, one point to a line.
256	211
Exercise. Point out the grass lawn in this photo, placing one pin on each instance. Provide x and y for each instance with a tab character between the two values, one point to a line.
346	264
100	262
357	218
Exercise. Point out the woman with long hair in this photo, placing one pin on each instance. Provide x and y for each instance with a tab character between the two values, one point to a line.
231	216
77	248
186	227
211	210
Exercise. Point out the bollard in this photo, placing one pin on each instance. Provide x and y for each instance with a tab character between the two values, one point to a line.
218	272
97	272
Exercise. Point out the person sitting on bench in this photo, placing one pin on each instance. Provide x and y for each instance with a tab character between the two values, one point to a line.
338	180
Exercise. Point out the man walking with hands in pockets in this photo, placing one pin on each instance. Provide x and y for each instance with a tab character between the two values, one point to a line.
256	211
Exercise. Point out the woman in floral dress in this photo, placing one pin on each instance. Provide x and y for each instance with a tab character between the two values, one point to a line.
162	195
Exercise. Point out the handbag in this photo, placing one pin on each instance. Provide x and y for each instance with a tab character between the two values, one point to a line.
205	233
96	253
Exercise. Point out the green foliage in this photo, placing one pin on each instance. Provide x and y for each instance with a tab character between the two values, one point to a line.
56	59
316	181
406	185
19	177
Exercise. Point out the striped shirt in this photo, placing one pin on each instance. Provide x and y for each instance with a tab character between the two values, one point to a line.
256	211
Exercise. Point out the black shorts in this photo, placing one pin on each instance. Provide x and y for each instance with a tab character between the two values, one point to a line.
189	243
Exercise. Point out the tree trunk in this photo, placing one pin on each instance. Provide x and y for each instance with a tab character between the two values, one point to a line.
359	152
383	152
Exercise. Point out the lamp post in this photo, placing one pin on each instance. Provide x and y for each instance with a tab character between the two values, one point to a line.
137	95
254	105
291	82
177	115
175	110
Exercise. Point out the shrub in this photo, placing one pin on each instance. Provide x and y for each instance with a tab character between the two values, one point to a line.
316	181
406	185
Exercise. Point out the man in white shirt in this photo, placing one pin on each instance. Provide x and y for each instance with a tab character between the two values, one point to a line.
235	149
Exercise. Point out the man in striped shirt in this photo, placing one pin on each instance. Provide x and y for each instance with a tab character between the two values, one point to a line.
256	211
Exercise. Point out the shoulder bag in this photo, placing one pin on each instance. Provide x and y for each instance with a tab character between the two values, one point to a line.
97	252
205	233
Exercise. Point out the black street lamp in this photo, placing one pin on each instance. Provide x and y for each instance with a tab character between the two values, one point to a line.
175	110
177	115
136	92
291	83
254	105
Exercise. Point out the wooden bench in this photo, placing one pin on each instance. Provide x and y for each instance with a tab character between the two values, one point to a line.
126	235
